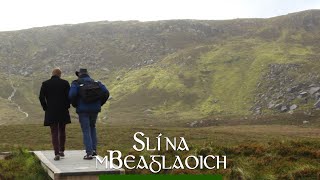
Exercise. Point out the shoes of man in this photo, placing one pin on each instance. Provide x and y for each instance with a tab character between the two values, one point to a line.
57	158
61	154
88	157
94	153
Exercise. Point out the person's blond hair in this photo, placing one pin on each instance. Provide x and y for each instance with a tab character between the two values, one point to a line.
56	72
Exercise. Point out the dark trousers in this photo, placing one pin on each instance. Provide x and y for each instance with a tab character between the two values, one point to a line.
58	134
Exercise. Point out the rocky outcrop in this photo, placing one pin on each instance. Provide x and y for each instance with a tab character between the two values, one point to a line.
280	90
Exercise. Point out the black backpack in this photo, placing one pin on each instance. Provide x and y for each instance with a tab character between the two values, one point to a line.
90	91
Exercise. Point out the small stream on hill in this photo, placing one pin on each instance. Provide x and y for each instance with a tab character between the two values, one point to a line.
11	101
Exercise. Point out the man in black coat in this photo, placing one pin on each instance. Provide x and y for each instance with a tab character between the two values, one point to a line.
55	102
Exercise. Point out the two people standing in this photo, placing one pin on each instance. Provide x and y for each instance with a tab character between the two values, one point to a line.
86	95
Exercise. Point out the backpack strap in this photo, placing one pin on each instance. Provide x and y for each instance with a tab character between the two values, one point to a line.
82	81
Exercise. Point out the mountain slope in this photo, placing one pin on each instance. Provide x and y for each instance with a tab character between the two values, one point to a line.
174	70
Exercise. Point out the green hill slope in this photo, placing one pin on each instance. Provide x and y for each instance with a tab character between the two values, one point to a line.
226	79
176	70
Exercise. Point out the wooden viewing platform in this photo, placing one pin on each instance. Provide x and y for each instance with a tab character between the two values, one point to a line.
72	166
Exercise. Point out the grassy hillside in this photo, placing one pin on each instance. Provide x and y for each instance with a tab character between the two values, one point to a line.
180	70
213	80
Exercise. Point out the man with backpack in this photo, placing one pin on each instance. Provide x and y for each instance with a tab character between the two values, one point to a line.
87	96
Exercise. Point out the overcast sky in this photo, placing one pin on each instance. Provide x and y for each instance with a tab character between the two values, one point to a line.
22	14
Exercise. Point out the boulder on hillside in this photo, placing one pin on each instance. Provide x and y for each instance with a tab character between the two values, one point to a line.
148	111
257	111
293	107
193	124
317	104
308	113
215	101
278	106
303	94
284	109
291	98
314	90
271	105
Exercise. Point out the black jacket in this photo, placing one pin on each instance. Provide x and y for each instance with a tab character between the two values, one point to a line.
54	100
